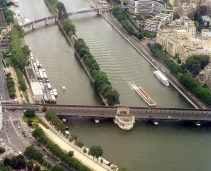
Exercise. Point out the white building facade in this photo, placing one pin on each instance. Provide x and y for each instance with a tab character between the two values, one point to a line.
179	38
206	33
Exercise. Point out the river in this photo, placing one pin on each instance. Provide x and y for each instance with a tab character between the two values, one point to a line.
169	146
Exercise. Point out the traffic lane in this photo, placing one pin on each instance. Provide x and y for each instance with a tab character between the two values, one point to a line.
4	95
15	138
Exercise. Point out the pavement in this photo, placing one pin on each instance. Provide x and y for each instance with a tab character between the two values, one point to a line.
59	139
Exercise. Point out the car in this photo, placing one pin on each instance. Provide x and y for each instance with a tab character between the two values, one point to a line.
22	138
25	135
19	152
18	127
23	132
169	116
58	162
46	156
13	151
44	149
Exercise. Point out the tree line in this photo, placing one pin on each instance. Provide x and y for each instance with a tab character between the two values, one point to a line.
18	162
10	85
66	23
65	157
101	82
8	14
199	90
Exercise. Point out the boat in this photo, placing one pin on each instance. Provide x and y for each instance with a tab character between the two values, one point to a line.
55	92
161	77
145	96
16	3
63	87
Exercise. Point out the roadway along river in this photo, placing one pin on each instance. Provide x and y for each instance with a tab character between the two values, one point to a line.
147	147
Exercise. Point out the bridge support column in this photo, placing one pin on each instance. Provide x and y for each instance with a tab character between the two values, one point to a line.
46	21
98	12
33	26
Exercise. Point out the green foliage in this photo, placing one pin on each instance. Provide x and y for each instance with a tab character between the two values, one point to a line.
79	143
188	81
62	13
36	168
96	151
29	113
101	83
10	86
29	122
54	120
197	62
8	14
44	109
198	21
17	55
68	26
57	151
16	162
21	80
26	50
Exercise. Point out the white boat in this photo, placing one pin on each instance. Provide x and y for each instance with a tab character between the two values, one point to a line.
16	3
63	87
161	77
55	92
145	96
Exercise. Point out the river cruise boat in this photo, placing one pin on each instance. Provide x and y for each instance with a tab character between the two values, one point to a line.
161	77
145	96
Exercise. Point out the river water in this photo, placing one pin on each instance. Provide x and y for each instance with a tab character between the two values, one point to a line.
169	146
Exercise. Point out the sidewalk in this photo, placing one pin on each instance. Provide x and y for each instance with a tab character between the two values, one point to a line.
63	143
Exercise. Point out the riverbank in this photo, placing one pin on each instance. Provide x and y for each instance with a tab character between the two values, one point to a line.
136	44
65	144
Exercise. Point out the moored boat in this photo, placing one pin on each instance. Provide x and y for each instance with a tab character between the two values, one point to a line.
161	77
145	96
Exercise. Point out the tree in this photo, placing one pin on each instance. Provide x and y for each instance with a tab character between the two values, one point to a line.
70	153
96	151
36	168
29	122
6	162
29	113
44	109
30	165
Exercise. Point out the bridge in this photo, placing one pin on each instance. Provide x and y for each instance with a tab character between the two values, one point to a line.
101	112
55	17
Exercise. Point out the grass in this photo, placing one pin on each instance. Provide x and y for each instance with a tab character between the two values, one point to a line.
8	61
35	120
25	96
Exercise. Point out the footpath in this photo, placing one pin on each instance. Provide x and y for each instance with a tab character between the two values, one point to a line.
63	143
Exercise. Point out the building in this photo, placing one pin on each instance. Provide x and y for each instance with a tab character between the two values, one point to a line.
36	91
145	7
206	33
206	20
180	38
159	21
30	75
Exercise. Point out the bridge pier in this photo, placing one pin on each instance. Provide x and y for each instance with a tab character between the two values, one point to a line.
46	21
33	25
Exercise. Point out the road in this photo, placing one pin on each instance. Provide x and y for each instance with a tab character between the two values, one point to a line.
14	139
144	51
4	95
